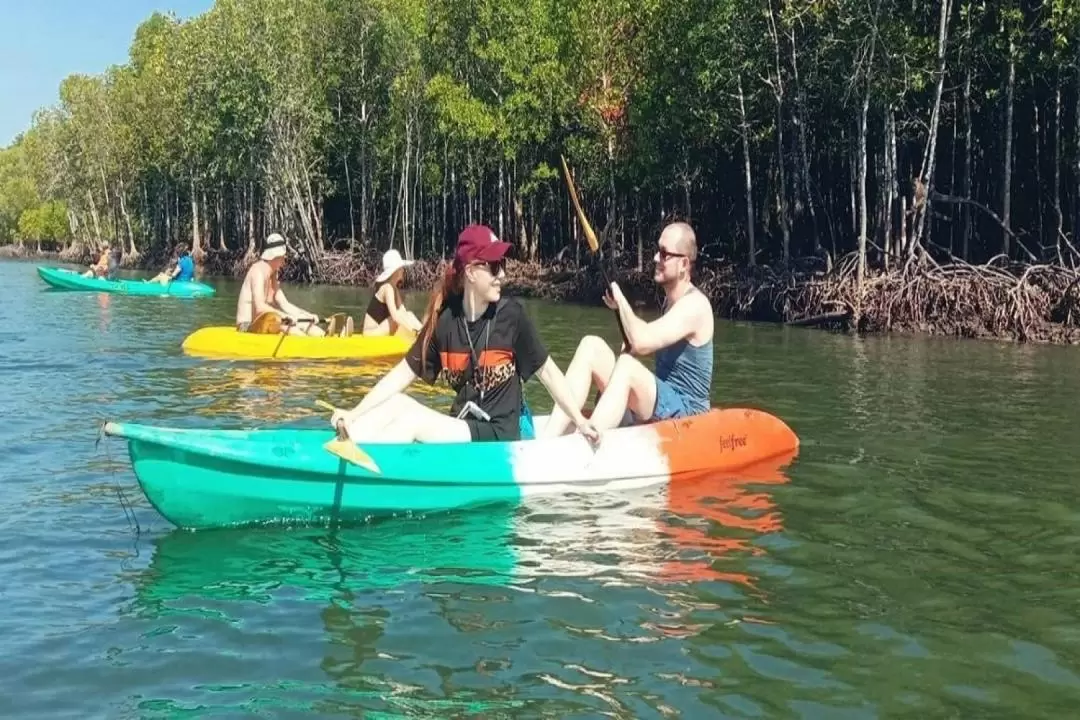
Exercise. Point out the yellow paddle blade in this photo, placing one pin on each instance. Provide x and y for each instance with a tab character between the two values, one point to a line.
349	452
590	236
345	448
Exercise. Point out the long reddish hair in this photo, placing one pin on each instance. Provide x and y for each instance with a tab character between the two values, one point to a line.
452	283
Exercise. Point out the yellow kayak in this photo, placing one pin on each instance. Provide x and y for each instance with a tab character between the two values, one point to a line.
225	341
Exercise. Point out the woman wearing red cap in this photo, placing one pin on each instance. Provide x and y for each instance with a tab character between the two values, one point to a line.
483	345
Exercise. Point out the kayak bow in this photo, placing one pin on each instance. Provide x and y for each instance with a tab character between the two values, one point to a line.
65	279
216	478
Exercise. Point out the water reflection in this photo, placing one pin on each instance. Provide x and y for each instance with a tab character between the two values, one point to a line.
476	580
322	565
695	530
279	393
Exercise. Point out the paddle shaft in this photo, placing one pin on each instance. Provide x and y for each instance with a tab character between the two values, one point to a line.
342	434
285	331
594	247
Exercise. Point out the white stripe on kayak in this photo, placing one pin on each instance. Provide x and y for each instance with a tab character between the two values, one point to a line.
626	458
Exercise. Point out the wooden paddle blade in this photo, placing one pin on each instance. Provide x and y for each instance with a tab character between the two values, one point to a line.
349	452
590	236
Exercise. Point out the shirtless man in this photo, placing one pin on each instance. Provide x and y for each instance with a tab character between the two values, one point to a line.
681	338
261	293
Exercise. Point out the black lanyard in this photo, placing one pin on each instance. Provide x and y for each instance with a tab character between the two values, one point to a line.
473	362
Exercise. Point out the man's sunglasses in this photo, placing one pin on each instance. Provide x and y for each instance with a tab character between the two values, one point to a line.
665	254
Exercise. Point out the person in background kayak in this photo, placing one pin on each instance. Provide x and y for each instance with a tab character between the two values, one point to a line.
681	338
181	269
386	313
261	295
485	346
108	263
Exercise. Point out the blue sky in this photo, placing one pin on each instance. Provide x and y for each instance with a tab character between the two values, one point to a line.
44	41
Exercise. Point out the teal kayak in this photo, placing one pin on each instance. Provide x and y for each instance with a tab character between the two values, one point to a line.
65	279
200	478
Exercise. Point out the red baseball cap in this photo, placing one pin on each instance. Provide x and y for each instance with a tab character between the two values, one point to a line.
479	243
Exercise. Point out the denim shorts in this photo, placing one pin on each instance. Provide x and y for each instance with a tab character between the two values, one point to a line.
669	405
669	402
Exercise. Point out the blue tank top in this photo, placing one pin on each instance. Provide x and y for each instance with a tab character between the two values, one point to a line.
187	269
688	369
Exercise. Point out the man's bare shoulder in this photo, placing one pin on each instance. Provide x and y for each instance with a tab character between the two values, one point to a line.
258	269
698	303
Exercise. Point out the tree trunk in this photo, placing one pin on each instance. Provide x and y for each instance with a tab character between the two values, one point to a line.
502	194
222	213
1006	192
365	180
168	217
921	208
352	210
95	218
861	270
1076	157
804	156
445	193
637	230
1059	229
966	231
890	183
1038	173
778	93
196	236
132	250
745	132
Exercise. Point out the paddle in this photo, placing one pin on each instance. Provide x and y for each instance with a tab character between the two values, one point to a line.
594	245
284	329
345	448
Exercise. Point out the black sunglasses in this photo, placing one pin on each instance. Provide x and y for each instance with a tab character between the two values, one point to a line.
665	254
493	266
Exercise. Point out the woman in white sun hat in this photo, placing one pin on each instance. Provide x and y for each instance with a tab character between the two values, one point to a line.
386	313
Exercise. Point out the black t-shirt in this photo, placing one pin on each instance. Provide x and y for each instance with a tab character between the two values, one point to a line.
505	345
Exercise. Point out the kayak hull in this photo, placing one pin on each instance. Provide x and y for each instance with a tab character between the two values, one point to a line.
200	479
64	279
226	342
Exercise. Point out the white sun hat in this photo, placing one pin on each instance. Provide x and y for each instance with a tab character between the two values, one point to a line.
391	262
274	247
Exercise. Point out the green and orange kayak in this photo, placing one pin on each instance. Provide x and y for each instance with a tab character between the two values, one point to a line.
219	478
64	279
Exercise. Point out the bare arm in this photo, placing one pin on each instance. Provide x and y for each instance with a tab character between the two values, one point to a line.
392	383
668	329
399	313
297	313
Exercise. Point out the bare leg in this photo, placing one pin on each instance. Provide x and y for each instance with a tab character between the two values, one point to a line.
401	419
632	387
593	362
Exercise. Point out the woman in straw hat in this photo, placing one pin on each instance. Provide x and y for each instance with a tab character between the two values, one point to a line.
386	313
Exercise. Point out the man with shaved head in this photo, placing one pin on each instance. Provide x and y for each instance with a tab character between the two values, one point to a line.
681	339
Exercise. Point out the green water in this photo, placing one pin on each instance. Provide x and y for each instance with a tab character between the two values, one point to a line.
917	560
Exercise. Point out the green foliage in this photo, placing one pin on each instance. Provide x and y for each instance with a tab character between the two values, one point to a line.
296	113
